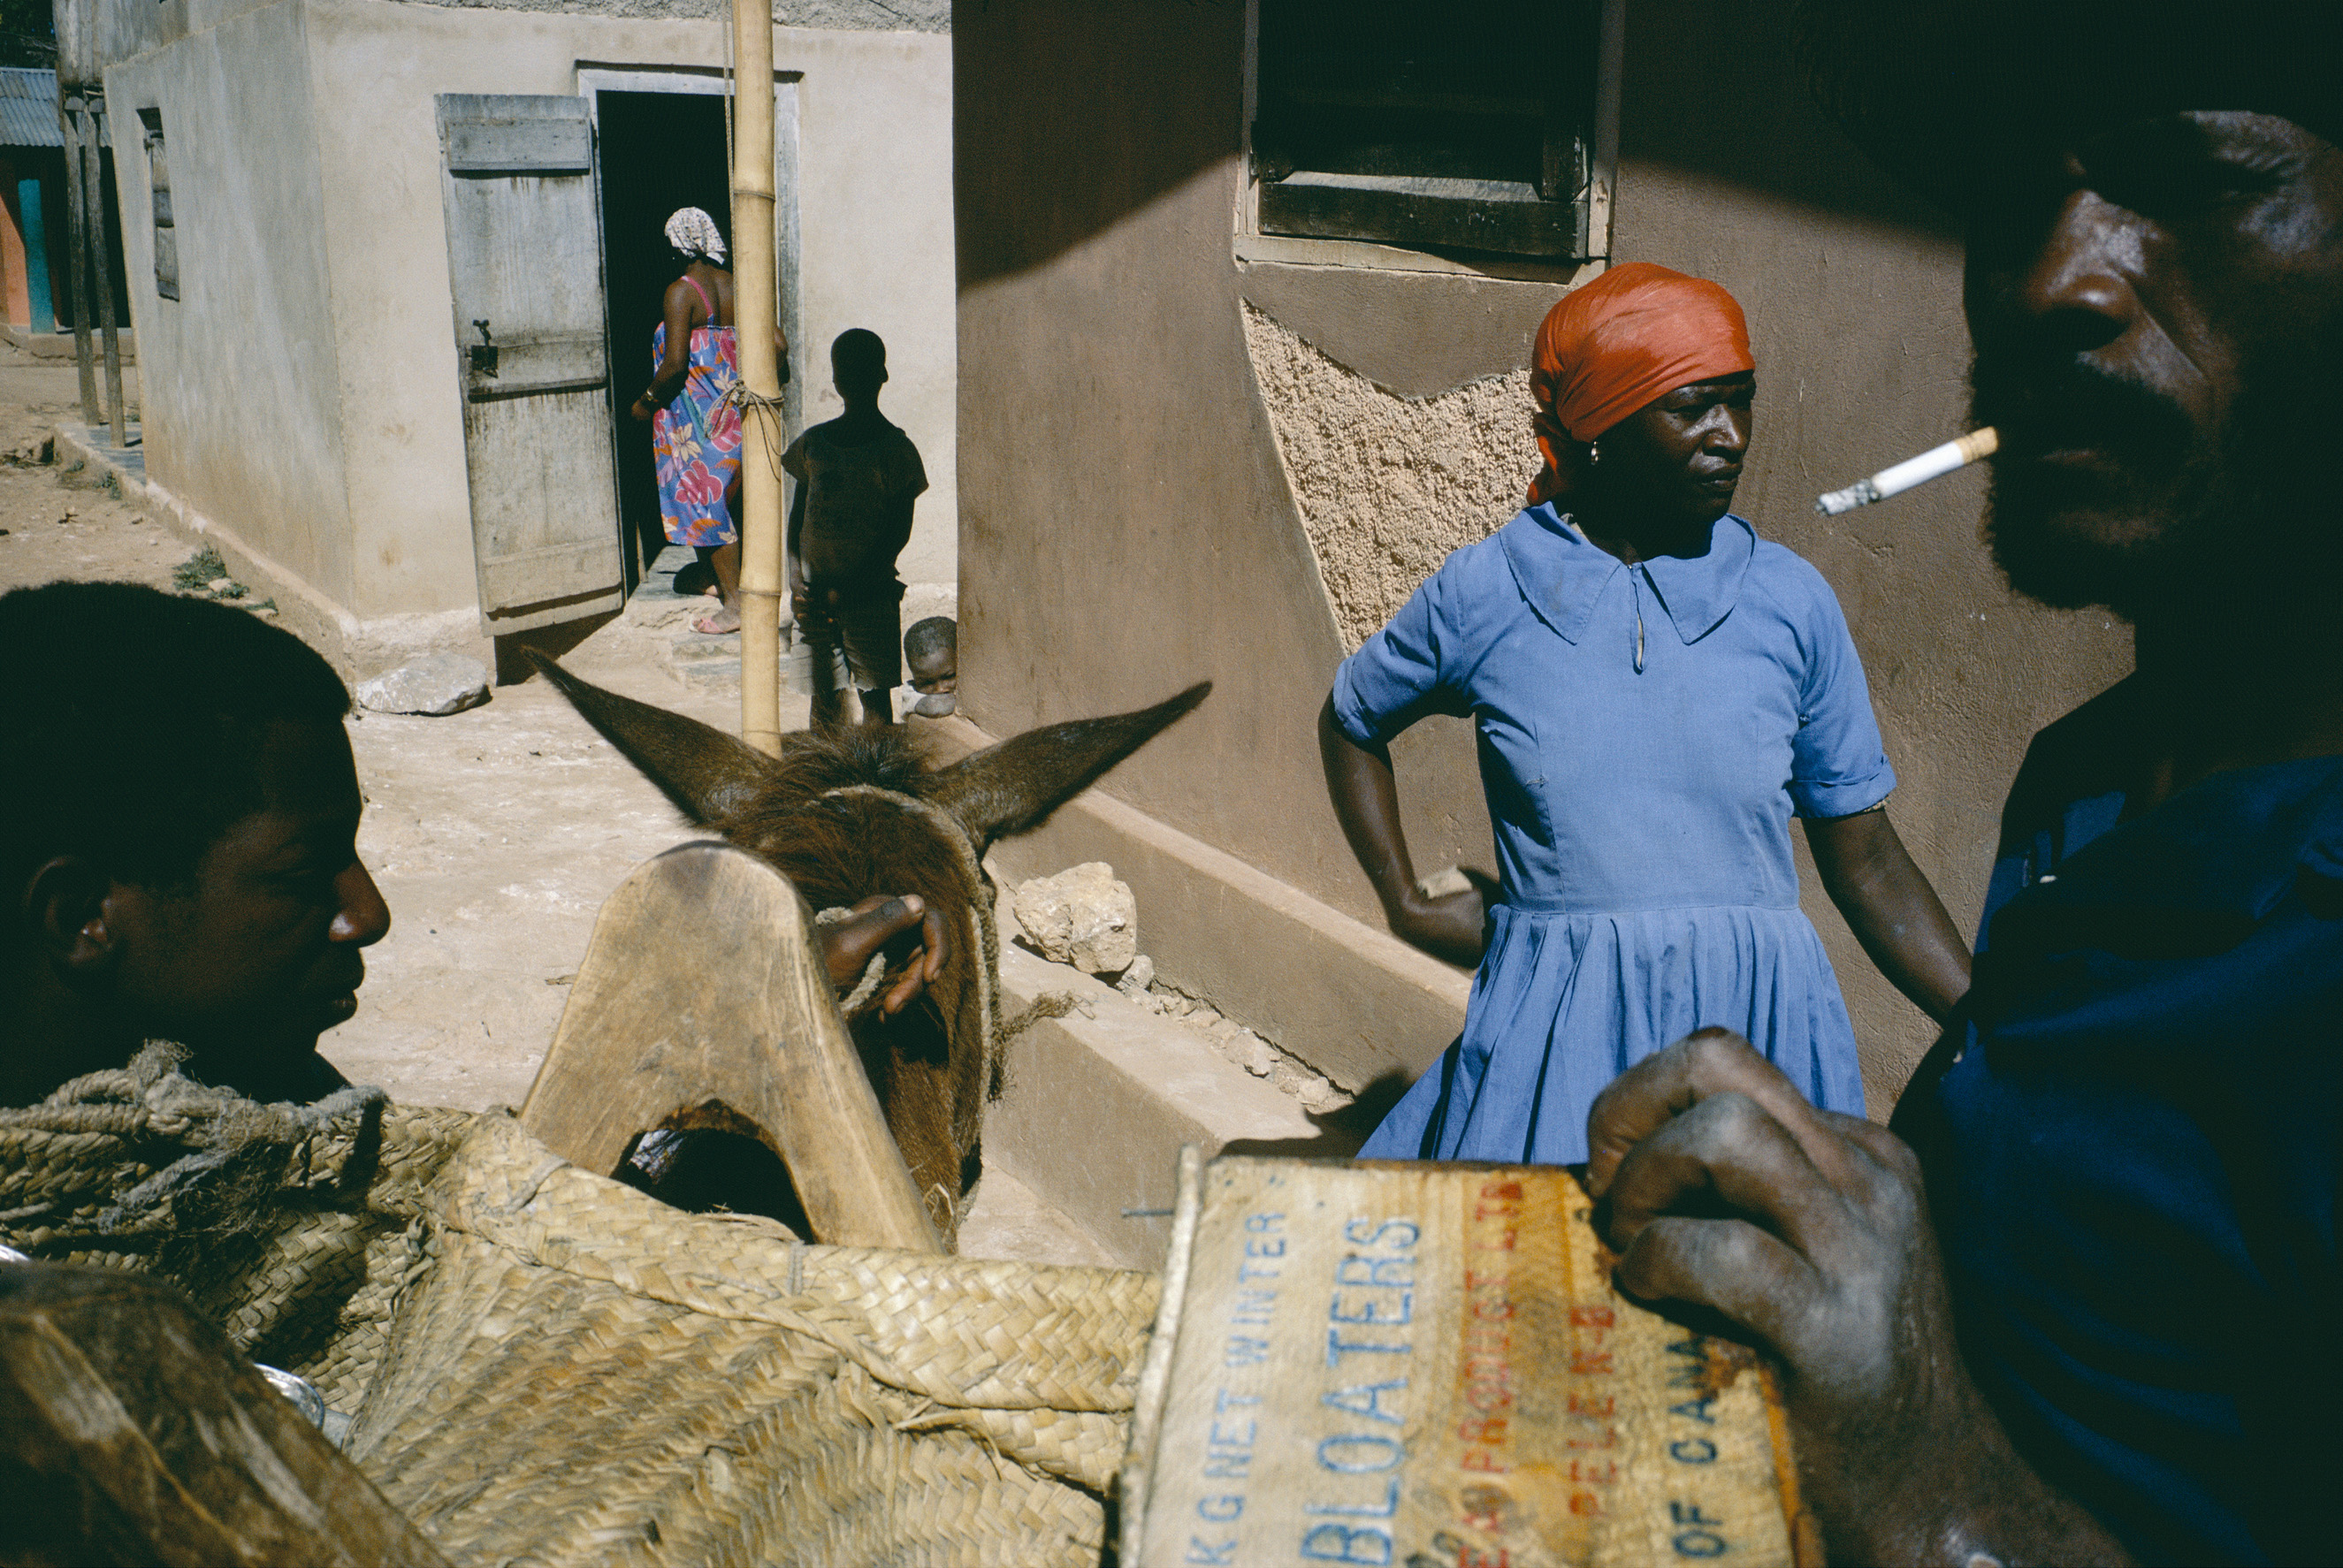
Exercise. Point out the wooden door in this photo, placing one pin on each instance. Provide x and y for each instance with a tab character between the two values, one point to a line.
525	269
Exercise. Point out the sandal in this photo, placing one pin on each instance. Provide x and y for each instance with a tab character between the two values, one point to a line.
723	623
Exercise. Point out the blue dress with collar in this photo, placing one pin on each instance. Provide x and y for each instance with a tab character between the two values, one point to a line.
1645	734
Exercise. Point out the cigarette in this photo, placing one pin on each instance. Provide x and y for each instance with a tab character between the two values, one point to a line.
1932	464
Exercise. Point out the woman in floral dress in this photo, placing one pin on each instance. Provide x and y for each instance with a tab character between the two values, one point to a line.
695	432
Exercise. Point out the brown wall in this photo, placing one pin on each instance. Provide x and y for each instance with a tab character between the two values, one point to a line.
1128	520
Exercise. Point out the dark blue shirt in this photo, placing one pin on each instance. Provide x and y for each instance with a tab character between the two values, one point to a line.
2134	1167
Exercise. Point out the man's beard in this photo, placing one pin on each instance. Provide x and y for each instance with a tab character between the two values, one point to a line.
2191	523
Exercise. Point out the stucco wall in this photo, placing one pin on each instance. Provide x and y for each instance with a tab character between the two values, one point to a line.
1129	520
241	379
1387	485
354	108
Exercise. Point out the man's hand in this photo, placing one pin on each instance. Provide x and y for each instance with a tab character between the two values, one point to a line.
846	947
1808	1234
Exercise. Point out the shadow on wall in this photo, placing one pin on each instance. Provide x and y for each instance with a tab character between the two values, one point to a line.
1685	102
1124	99
1127	99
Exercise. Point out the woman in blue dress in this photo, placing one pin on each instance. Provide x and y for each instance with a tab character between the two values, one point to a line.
1657	691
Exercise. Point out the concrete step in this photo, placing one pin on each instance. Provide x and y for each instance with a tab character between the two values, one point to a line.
1005	1218
1099	1102
695	647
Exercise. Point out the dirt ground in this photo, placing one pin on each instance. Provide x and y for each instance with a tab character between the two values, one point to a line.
494	834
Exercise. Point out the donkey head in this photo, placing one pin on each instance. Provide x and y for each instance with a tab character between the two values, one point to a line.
849	811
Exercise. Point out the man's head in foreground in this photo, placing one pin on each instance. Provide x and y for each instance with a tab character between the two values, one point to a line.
2157	311
2154	201
179	822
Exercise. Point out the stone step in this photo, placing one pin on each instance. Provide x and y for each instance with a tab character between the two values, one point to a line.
1098	1103
708	674
694	644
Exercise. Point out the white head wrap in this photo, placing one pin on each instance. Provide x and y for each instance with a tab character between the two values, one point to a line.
693	231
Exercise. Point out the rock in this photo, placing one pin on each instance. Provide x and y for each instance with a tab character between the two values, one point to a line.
1317	1094
1082	917
1138	977
437	684
219	584
1259	1056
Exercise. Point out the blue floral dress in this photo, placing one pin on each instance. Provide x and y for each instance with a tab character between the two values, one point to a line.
1645	735
695	438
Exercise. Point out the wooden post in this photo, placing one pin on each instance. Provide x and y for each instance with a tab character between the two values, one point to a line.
757	306
69	114
93	185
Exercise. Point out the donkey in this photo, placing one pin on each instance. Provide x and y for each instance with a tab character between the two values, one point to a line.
846	811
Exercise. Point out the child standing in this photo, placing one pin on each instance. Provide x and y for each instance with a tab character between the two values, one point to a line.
857	477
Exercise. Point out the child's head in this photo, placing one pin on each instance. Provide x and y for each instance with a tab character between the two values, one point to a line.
857	363
932	650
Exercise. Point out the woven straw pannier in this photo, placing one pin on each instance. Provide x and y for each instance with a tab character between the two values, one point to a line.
547	1367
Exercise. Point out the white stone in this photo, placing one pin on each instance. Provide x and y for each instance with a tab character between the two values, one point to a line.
1082	917
436	685
1138	977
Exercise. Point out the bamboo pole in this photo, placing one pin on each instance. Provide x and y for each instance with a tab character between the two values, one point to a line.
756	306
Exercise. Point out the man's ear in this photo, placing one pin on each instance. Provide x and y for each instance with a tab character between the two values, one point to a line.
64	914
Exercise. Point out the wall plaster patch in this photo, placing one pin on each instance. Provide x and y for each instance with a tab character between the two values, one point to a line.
1386	485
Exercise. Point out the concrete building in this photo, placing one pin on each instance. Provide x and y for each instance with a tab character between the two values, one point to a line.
395	267
1230	386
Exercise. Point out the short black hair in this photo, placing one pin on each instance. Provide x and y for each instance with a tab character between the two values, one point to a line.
860	346
133	720
936	634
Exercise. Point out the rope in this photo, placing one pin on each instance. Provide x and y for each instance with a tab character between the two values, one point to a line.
752	403
859	998
150	1100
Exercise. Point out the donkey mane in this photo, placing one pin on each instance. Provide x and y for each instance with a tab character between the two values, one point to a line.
826	844
835	757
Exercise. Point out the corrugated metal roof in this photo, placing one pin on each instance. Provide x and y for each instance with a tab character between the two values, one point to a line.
29	108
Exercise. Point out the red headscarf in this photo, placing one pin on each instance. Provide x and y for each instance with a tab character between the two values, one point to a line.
1607	349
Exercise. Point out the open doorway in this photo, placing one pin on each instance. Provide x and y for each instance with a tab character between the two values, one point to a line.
657	152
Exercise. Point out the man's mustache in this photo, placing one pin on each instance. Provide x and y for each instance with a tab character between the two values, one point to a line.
2045	405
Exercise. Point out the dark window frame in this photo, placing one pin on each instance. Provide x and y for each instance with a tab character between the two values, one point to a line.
1493	142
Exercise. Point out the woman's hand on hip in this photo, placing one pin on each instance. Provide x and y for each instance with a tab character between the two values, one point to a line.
1447	927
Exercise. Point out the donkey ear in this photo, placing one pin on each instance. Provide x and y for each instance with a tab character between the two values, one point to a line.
1013	787
705	771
